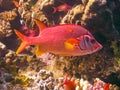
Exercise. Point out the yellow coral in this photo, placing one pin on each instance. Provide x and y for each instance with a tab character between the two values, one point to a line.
115	48
22	80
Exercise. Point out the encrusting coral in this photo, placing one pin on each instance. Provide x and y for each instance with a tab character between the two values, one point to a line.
5	29
2	49
93	16
8	15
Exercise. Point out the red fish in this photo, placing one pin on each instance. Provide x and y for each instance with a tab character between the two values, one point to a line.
15	3
106	86
69	85
29	32
64	7
66	39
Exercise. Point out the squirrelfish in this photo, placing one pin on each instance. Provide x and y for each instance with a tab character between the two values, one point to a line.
69	85
64	7
16	3
106	86
66	39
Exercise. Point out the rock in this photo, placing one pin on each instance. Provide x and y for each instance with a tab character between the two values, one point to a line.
10	56
6	5
1	78
8	77
43	79
8	15
45	3
30	10
3	49
74	15
92	16
5	79
18	87
59	84
113	6
95	20
3	87
5	29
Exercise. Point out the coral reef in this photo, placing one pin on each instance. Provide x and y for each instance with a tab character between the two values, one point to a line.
8	15
93	17
29	10
44	80
27	71
74	15
82	84
2	49
5	29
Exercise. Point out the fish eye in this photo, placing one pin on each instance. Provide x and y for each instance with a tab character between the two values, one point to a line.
93	41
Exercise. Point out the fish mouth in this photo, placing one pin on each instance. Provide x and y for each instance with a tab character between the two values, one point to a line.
99	47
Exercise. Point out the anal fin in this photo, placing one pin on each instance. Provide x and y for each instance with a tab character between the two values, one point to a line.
38	52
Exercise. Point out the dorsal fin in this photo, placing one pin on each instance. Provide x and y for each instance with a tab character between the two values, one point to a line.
40	25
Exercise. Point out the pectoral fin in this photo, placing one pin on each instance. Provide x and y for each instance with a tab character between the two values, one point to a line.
70	43
38	52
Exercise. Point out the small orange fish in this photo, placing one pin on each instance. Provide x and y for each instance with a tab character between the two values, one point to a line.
15	3
106	86
66	39
69	85
64	7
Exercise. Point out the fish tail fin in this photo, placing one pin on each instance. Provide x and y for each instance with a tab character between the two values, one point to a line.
24	43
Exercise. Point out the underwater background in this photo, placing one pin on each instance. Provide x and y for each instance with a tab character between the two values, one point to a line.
26	71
